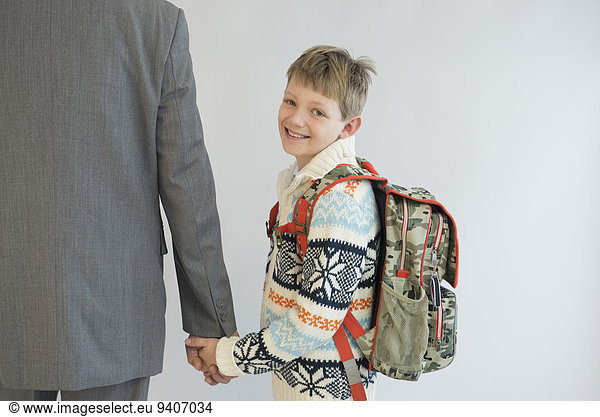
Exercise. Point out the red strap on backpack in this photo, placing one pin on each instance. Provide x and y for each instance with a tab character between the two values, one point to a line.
298	226
272	219
343	346
353	325
369	167
301	227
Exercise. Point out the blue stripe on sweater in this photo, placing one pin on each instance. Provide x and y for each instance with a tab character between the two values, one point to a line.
282	328
340	210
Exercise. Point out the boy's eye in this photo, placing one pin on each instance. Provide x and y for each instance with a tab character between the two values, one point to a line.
318	113
290	102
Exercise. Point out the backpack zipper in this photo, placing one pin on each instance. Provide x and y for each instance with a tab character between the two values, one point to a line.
434	284
405	218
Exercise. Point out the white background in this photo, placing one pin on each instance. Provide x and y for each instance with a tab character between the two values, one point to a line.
493	106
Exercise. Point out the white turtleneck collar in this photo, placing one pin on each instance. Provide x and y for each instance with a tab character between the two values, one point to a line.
342	151
339	152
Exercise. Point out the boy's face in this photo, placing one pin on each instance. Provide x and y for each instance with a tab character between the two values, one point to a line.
309	122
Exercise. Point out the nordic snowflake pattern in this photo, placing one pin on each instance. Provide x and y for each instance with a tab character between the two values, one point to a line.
306	297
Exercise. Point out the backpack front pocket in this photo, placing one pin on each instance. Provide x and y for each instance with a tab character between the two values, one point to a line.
401	338
442	332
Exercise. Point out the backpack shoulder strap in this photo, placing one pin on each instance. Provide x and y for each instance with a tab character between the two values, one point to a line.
303	209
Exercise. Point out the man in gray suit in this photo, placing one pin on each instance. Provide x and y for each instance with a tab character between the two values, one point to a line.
98	119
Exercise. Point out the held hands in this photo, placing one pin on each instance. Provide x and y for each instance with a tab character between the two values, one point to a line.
201	354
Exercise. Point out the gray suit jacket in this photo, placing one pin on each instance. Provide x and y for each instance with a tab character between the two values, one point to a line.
98	119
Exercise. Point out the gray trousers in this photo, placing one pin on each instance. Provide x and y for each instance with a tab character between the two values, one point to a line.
133	390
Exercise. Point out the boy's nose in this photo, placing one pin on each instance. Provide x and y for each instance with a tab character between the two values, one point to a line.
297	119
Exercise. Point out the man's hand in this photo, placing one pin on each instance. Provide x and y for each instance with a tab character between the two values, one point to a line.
207	350
193	346
202	356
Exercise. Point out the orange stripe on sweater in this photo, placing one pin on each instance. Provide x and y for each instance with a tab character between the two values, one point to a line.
318	321
313	319
280	300
361	304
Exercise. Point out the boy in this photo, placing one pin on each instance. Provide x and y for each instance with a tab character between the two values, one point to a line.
306	300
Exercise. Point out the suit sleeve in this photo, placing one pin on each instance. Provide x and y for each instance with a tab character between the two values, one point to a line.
187	191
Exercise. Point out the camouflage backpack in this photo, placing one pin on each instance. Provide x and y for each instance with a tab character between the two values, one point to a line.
414	327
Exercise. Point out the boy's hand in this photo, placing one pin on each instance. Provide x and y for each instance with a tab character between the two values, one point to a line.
214	376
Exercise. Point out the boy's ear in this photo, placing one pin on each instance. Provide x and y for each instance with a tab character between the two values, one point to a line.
351	127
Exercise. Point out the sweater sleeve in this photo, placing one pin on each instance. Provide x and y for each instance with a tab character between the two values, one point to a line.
341	232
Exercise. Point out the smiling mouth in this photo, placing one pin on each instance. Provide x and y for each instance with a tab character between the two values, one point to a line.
295	135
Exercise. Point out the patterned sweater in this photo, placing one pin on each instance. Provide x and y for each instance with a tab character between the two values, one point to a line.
304	303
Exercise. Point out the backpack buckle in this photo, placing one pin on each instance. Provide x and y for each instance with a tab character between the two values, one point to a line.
300	228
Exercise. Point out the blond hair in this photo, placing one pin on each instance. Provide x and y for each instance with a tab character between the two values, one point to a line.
334	73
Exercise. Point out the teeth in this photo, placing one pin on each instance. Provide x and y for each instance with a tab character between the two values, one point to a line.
296	136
